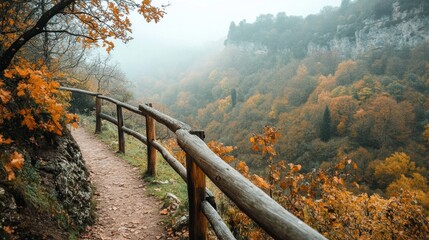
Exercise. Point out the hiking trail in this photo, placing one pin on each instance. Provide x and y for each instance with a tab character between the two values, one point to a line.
124	209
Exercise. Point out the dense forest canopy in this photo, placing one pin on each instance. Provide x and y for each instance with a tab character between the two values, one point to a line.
345	89
330	103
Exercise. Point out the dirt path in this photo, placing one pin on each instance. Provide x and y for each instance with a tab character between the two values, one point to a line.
124	209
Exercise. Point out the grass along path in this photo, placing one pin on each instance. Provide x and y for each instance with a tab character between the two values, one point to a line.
124	208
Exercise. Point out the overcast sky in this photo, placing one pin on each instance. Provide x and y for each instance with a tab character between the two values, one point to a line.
195	22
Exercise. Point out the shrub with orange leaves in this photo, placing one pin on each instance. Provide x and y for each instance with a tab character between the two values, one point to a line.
222	151
30	106
321	199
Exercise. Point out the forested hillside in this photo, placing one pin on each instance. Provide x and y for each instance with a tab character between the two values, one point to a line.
333	89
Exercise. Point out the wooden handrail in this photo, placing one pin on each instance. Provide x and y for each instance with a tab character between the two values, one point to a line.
76	90
122	104
272	217
254	202
169	122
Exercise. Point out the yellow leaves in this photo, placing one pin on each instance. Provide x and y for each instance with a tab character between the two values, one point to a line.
242	168
164	211
265	141
23	72
5	141
8	74
39	100
5	96
295	168
73	119
28	120
21	89
392	167
16	162
151	13
355	166
222	151
260	182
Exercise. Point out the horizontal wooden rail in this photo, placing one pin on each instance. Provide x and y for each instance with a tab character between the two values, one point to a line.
222	231
122	104
108	118
135	134
164	119
266	212
254	202
176	165
76	90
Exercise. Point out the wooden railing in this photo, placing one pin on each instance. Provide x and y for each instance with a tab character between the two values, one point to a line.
202	162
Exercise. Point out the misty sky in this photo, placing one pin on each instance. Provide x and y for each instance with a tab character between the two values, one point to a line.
193	23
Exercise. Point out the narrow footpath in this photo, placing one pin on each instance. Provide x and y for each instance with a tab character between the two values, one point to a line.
124	210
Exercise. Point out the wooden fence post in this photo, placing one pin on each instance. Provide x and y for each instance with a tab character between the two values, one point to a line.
196	195
121	135
151	151
97	114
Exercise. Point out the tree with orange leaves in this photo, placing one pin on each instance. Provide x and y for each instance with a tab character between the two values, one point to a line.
91	22
30	103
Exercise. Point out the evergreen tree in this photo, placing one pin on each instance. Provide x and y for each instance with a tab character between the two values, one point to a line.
233	97
325	127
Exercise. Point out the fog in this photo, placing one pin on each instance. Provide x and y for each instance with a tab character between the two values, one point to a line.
192	28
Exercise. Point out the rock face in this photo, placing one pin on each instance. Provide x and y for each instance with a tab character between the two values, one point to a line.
398	30
63	177
8	209
63	169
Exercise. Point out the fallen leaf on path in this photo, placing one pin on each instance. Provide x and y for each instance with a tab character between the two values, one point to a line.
164	211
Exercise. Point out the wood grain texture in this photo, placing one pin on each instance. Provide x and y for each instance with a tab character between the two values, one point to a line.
151	151
266	212
219	227
164	119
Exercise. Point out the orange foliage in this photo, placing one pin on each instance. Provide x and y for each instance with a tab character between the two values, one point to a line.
37	96
30	102
222	151
321	199
16	162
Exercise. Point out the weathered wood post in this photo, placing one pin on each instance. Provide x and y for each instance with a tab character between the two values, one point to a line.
97	114
121	135
151	151
196	195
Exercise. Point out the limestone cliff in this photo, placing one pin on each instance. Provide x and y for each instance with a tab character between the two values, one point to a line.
399	29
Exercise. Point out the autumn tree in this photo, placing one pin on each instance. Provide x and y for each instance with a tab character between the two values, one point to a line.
393	167
321	199
342	109
383	122
347	72
265	143
31	106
